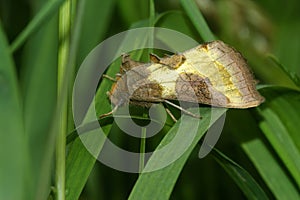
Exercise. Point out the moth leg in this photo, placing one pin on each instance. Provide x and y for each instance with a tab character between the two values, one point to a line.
109	77
183	110
119	75
171	115
109	113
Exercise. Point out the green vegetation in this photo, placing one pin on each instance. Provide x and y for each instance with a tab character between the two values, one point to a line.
42	46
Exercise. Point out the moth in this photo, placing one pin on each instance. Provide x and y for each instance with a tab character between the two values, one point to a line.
212	73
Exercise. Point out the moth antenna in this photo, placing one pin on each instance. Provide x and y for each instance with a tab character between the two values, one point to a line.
183	110
109	113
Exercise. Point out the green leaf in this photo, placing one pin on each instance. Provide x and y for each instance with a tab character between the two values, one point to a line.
267	162
46	13
132	11
79	164
39	89
270	170
151	13
159	184
176	20
293	76
79	161
14	173
90	36
243	179
280	118
197	19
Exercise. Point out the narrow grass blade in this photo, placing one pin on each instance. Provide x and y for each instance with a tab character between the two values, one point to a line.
151	13
275	130
159	184
197	19
280	119
79	165
176	20
270	170
63	81
79	161
90	36
132	11
242	178
48	11
39	91
293	76
14	172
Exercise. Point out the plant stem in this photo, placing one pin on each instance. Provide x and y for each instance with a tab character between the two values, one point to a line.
62	98
151	42
142	150
197	19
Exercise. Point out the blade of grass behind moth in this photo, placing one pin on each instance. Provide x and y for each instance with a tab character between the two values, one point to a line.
69	165
176	20
197	19
293	76
151	24
79	161
264	160
14	155
280	117
63	80
287	150
151	42
48	11
270	170
91	35
132	11
242	178
151	13
159	184
39	89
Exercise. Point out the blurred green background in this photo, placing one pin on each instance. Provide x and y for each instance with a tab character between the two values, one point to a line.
41	156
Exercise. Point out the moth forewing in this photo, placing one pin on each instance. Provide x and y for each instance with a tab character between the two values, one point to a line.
212	73
226	73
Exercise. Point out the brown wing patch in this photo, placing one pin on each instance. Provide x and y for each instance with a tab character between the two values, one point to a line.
173	61
130	81
193	88
147	92
128	63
